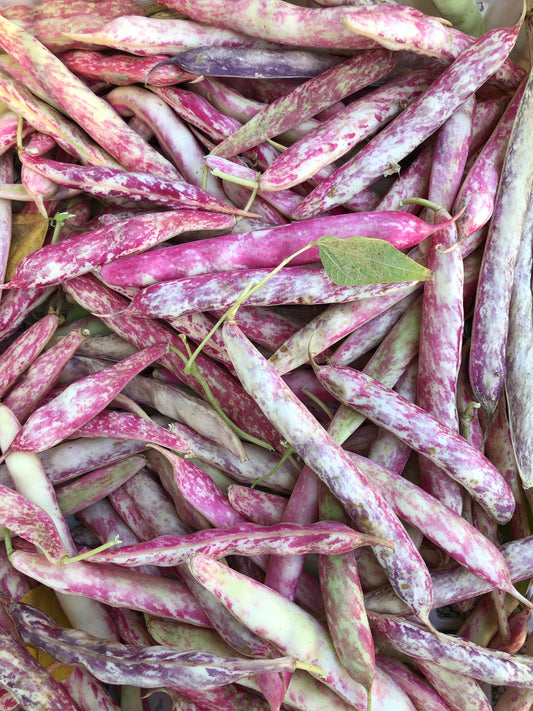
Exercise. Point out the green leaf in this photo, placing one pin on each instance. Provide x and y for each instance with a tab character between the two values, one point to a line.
356	261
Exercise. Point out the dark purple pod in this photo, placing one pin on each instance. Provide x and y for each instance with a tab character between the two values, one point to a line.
149	667
32	684
252	62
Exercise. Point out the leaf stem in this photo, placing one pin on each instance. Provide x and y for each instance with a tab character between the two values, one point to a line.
211	399
7	541
289	451
248	290
422	202
247	183
89	554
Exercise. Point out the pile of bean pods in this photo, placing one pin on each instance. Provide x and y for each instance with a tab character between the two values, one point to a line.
266	343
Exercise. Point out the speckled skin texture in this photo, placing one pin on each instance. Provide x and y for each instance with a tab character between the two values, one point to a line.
455	654
122	69
491	315
447	529
116	586
25	349
330	326
308	99
139	330
256	249
26	677
367	507
79	402
24	396
457	583
90	111
337	136
425	434
419	120
290	285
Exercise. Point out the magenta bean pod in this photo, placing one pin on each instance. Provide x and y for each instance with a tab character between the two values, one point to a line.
307	100
175	139
385	151
127	425
147	36
479	187
42	375
25	349
75	406
441	525
138	330
263	248
123	69
300	26
335	137
439	355
81	104
290	285
261	507
32	684
491	315
116	586
46	119
454	654
286	539
96	484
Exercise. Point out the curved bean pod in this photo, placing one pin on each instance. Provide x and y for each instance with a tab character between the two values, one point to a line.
97	484
308	99
150	667
459	584
264	247
112	184
335	322
75	406
290	285
31	523
254	63
147	36
26	677
118	587
370	510
384	152
443	526
299	26
25	349
175	138
79	102
97	298
127	425
478	189
425	434
325	537
335	137
491	314
123	69
41	375
455	654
